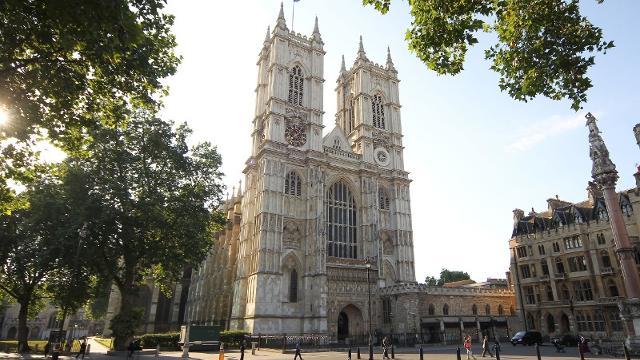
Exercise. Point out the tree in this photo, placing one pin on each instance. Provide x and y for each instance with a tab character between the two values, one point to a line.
149	202
545	47
35	241
64	63
447	276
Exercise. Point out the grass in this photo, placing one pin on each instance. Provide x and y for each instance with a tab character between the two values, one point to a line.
106	342
13	344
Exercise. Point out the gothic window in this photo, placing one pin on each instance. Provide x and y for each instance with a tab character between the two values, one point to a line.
545	267
445	309
529	295
432	310
549	293
293	286
487	309
606	261
350	123
340	217
564	290
386	310
583	290
613	289
292	184
556	247
336	143
383	199
601	239
627	209
512	310
296	84
602	214
500	310
377	109
559	266
474	309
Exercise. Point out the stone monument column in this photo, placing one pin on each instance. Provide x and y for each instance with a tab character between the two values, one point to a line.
605	175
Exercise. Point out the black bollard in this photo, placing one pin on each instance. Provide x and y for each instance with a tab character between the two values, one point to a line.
458	353
358	352
538	351
393	353
626	351
497	349
349	355
421	353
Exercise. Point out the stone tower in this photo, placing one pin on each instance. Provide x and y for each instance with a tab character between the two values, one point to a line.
320	213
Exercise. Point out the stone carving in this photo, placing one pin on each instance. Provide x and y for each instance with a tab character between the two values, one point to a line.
381	138
291	235
603	170
295	114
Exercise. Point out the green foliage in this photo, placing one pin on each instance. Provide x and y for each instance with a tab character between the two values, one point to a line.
64	63
447	276
545	47
232	337
167	341
123	324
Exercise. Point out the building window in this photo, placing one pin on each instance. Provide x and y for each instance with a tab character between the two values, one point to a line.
572	242
293	286
545	267
533	270
556	247
512	310
564	290
606	261
292	184
549	293
582	290
521	251
615	321
602	214
500	310
600	238
613	289
627	209
598	321
524	271
377	109
445	309
296	86
529	295
432	309
559	266
487	309
577	263
541	249
340	217
474	309
336	144
386	310
383	199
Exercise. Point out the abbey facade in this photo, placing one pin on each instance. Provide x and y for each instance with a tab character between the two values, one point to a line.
322	219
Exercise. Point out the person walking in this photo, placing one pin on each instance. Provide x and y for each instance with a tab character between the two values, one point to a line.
83	348
485	346
242	349
385	348
467	346
297	351
47	349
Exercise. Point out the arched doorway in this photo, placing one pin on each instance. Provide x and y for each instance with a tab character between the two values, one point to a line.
551	324
564	324
350	323
343	326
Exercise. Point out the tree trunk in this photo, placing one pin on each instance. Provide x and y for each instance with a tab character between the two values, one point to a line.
23	345
128	318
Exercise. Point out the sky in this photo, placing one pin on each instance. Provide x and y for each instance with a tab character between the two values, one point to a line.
473	153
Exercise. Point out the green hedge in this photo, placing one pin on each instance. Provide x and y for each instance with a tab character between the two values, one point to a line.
232	338
168	341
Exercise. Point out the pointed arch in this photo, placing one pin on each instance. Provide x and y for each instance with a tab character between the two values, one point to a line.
487	309
500	310
432	310
296	85
341	221
445	309
293	285
389	273
293	184
474	309
377	111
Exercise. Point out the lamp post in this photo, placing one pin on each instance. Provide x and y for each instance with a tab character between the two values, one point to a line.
368	264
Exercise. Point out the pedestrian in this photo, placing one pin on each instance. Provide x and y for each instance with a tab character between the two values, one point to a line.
83	348
485	346
467	346
131	349
47	349
242	349
297	351
385	347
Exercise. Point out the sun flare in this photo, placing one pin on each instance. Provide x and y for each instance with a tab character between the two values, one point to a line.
4	116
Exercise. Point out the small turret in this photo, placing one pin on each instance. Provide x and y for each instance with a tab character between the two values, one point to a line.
282	23
343	68
389	61
362	55
267	37
316	32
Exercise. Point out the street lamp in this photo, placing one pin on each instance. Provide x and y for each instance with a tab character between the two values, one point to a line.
368	264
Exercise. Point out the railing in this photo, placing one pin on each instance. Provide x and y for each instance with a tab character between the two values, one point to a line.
339	152
609	300
607	271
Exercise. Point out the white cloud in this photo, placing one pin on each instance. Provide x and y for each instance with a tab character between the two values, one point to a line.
541	131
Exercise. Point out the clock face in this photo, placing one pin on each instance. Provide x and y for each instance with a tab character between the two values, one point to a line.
382	157
295	135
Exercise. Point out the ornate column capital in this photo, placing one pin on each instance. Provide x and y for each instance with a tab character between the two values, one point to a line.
604	170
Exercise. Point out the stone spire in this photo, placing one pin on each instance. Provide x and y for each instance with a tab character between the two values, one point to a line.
267	37
343	68
389	61
281	21
361	54
316	32
603	170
